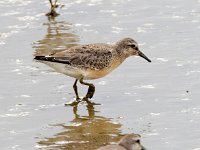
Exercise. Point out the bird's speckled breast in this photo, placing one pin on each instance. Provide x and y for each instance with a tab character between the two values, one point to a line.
91	74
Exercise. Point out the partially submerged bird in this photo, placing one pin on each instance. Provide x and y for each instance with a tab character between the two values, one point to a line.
128	142
91	61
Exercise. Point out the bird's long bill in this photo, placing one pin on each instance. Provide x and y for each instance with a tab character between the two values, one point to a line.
143	148
143	56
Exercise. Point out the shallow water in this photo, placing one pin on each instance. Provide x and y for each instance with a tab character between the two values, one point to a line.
160	100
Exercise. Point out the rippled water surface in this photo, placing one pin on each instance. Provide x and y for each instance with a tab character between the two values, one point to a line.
159	100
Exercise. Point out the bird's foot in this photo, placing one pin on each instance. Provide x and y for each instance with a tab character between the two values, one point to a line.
85	99
90	92
74	102
81	100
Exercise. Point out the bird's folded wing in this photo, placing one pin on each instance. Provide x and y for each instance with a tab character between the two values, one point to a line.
92	57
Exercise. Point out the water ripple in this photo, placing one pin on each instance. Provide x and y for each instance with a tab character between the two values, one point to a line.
21	114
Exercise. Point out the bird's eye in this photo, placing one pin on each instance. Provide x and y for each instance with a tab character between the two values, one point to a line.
133	46
137	141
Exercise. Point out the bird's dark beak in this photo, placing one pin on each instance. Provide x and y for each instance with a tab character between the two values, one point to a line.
143	148
143	56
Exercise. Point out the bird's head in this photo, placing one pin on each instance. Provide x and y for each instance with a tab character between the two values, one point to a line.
131	142
129	47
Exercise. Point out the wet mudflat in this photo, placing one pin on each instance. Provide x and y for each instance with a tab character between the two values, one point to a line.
160	100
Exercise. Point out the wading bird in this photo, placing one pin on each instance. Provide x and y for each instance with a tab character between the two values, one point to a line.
91	61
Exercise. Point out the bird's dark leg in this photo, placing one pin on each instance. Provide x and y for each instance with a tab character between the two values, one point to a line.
91	88
76	89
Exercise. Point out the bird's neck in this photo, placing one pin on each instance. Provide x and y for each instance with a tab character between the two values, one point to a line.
120	52
122	56
126	146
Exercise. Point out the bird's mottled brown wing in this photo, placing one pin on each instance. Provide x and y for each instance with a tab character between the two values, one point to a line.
95	56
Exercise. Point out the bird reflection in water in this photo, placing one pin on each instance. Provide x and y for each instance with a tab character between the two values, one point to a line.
60	36
84	132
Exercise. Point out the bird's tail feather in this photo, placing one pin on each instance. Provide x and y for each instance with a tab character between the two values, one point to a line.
43	58
39	57
51	59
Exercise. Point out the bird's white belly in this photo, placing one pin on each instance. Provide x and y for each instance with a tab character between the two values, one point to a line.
66	69
78	73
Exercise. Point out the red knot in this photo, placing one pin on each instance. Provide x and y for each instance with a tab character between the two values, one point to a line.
91	61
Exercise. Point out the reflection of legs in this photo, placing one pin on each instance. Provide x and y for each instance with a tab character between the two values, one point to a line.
53	12
51	3
91	88
75	109
75	89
